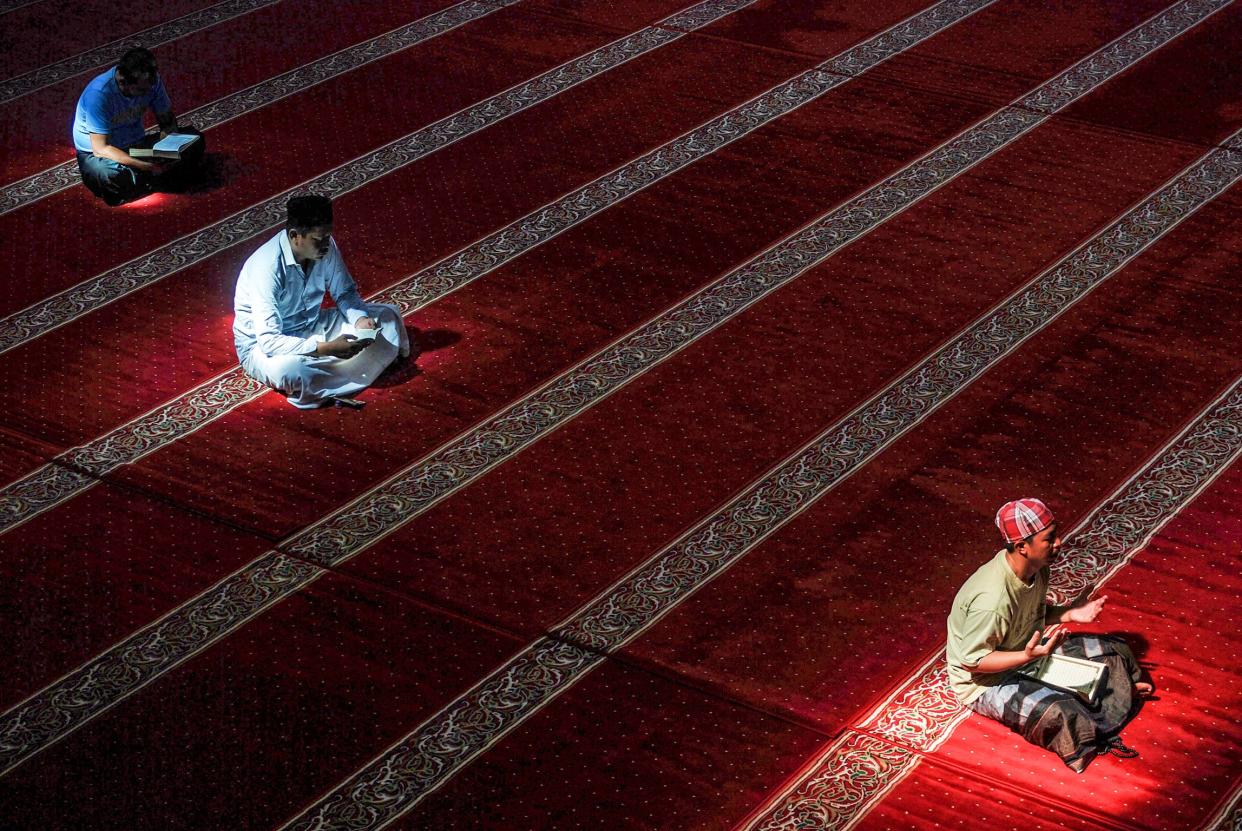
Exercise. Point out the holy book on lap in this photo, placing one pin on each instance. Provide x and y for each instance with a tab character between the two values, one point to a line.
1073	675
170	147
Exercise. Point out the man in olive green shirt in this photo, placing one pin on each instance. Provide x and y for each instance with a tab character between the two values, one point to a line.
1000	618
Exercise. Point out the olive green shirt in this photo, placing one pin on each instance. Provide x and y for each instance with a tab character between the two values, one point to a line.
993	610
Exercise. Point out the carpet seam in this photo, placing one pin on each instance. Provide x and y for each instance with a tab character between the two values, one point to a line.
355	784
1153	461
117	43
964	771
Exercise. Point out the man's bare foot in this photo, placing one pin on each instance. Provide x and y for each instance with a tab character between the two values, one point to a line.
1144	688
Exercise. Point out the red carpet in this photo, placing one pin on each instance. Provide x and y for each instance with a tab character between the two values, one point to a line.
199	68
720	383
1173	589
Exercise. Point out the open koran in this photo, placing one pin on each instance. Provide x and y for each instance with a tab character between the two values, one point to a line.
1075	675
169	147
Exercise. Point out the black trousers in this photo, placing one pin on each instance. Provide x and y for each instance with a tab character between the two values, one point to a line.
115	183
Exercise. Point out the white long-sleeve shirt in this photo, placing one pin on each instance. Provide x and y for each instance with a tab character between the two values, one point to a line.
276	305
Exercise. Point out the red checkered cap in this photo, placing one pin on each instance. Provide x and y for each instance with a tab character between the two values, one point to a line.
1019	519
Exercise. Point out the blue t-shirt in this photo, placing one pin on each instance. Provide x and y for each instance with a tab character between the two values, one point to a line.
103	109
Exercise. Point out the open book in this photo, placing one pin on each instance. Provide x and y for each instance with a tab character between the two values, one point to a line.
1074	675
169	147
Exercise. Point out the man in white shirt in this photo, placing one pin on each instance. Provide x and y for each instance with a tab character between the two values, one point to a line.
286	339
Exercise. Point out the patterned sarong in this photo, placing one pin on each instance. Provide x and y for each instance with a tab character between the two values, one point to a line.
1060	721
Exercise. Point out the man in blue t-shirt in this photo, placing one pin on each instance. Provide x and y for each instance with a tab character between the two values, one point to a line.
108	123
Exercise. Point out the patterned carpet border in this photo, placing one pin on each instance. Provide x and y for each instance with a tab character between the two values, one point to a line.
72	471
1229	817
650	591
854	775
107	54
14	5
70	702
59	177
42	317
407	772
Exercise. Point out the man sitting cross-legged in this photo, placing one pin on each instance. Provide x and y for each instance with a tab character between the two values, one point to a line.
286	339
108	125
1001	621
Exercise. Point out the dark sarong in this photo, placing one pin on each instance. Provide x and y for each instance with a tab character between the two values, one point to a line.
1062	722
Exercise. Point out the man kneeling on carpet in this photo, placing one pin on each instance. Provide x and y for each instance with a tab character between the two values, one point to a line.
108	132
1001	622
284	336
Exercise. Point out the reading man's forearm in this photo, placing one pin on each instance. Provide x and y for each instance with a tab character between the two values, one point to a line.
999	661
116	154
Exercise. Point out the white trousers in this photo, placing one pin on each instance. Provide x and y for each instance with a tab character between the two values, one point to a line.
308	380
